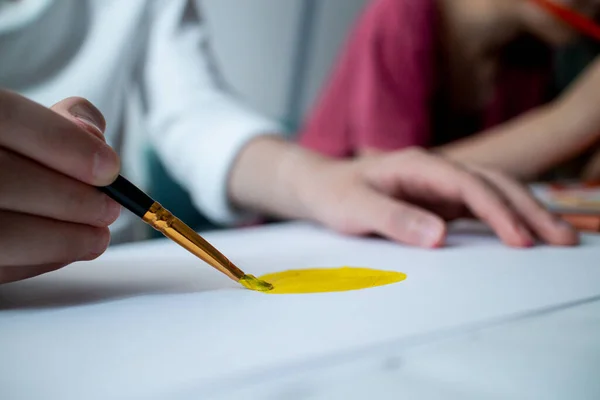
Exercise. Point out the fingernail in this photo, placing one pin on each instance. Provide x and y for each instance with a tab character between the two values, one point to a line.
89	115
527	238
112	210
528	243
106	165
430	233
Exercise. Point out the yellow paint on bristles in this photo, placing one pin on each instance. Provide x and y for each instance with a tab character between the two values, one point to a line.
253	283
320	280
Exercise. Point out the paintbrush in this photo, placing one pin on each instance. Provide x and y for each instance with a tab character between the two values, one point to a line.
155	215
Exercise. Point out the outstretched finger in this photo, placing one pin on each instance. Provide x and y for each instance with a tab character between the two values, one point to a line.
399	221
547	227
432	176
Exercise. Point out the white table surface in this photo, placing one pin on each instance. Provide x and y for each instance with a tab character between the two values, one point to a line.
552	355
503	324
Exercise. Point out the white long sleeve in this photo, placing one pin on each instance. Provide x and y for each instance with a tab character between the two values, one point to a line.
96	49
196	127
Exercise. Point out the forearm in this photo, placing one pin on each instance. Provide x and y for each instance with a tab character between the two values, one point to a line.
267	174
527	146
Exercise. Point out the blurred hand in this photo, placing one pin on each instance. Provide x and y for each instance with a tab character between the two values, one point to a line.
49	162
408	195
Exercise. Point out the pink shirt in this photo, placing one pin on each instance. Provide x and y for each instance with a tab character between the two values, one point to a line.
383	89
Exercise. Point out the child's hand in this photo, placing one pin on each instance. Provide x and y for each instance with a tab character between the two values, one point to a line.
49	162
407	196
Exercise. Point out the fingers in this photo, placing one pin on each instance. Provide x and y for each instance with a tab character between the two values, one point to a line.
433	177
29	188
38	133
12	274
50	161
397	220
548	228
27	240
490	206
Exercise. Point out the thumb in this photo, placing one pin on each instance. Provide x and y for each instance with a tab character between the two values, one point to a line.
400	221
83	113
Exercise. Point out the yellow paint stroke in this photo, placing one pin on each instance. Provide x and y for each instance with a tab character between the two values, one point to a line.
319	280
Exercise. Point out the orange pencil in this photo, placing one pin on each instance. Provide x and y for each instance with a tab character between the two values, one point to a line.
572	18
582	222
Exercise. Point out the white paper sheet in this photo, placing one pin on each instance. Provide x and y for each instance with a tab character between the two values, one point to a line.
151	321
550	355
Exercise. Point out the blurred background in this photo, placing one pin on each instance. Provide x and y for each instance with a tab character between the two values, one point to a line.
400	72
275	56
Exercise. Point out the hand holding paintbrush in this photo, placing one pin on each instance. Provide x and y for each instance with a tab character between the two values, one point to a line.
50	159
52	215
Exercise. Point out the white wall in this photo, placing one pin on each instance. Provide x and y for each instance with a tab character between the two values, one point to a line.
254	42
257	44
334	19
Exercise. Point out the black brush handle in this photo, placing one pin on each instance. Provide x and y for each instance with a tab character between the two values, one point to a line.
129	196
